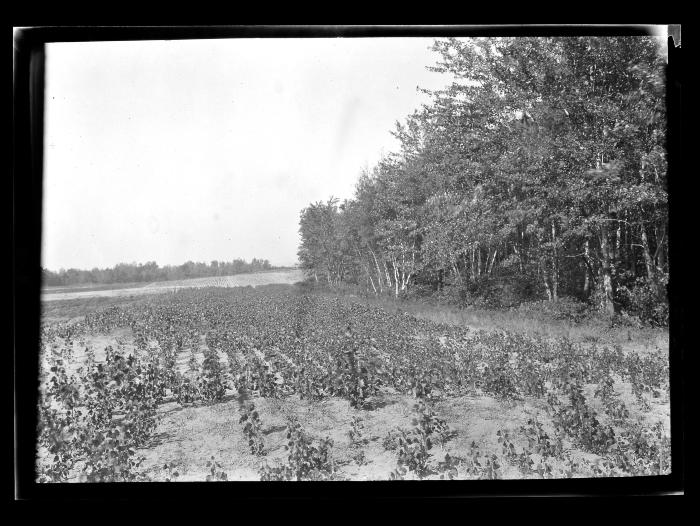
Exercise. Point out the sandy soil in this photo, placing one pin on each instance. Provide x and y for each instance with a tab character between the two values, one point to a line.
190	436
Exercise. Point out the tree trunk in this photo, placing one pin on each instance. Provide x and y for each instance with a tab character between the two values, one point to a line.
379	272
555	265
631	252
606	274
388	275
543	271
396	277
456	270
493	260
478	262
587	272
652	273
367	268
661	246
648	260
520	259
406	279
473	263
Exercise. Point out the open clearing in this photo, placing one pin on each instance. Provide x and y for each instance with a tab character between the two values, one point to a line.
239	280
237	374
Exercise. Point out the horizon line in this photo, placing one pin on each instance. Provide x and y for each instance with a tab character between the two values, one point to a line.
65	269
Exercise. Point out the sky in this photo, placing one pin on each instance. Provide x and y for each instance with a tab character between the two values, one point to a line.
171	151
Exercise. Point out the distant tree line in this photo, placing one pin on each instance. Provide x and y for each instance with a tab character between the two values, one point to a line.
540	171
132	272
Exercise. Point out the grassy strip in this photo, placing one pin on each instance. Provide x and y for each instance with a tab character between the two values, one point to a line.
530	323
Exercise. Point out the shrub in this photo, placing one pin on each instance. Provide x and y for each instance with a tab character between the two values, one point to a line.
413	446
641	300
357	373
449	467
216	471
356	432
171	473
391	440
565	308
413	454
212	382
580	422
252	428
614	407
186	390
306	459
481	466
643	450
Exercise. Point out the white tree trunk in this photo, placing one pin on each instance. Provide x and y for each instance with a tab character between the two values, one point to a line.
379	272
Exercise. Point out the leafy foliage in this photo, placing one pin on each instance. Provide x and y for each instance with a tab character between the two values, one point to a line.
130	272
306	459
413	446
252	428
172	474
537	173
216	472
580	422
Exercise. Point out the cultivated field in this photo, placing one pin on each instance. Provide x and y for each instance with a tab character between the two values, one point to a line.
273	383
239	280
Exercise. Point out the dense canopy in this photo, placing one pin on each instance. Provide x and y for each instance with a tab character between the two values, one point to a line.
540	172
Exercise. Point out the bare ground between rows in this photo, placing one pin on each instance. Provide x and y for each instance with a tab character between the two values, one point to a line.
190	436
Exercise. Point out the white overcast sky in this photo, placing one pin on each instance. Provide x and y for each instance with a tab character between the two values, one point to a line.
171	151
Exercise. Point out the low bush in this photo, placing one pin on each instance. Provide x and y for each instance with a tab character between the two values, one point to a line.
306	458
252	428
414	445
565	308
641	299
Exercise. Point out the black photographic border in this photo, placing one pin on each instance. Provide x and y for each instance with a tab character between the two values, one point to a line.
28	106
